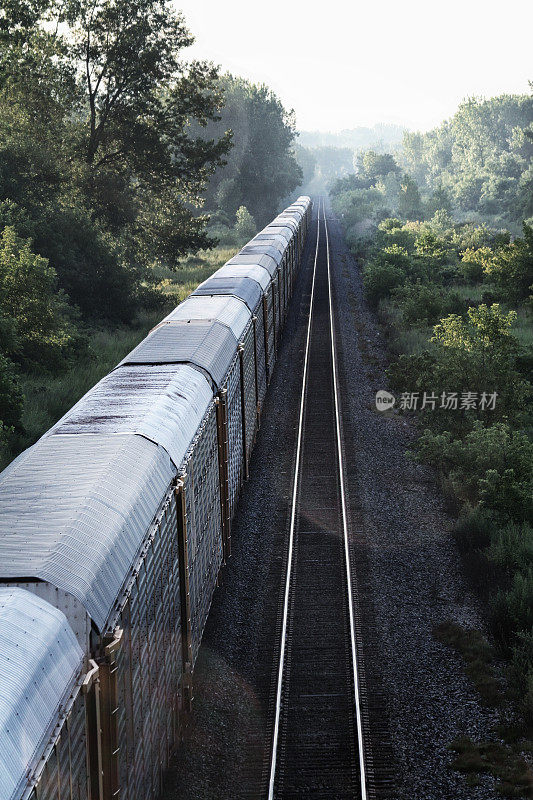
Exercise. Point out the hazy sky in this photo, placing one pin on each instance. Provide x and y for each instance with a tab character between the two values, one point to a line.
340	64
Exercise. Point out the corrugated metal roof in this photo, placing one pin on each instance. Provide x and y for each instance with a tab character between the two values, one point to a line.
165	403
252	259
74	511
230	311
257	273
206	343
284	232
272	240
39	666
262	248
245	288
285	221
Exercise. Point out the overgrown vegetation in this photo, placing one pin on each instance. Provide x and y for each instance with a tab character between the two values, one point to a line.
113	151
455	297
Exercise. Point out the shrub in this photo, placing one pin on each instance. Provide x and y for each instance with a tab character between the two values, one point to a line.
10	397
511	267
491	465
425	303
512	546
512	609
245	226
472	264
380	279
42	321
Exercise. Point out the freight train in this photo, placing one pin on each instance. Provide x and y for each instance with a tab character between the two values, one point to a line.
113	529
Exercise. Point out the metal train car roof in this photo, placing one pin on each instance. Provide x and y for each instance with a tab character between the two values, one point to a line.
270	240
262	248
41	663
165	403
207	344
253	259
255	272
246	289
100	490
283	231
98	495
230	311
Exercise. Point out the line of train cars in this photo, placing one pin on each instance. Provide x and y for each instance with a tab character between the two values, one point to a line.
113	529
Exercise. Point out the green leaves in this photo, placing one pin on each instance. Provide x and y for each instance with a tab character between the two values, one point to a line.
41	332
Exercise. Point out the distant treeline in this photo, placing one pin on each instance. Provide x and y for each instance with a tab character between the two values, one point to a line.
477	165
480	160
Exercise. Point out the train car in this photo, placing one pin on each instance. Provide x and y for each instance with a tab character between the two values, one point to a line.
118	521
43	715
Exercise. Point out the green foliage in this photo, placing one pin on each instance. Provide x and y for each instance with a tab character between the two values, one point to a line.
10	399
510	267
42	331
491	466
261	169
472	264
380	279
372	165
425	303
245	226
409	201
480	159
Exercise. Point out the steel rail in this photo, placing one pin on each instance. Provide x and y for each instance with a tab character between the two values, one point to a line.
291	534
294	506
360	741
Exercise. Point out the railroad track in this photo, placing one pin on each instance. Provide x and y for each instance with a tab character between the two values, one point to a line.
317	719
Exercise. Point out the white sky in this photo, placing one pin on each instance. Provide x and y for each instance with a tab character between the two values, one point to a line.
340	64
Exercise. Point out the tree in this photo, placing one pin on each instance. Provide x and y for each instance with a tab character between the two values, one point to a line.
41	330
245	226
511	267
139	99
409	202
372	165
262	168
99	157
481	158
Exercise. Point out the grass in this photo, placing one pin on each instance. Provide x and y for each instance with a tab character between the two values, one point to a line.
508	766
179	283
523	328
48	397
504	754
478	656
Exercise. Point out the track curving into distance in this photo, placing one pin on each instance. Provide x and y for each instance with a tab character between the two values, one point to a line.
317	742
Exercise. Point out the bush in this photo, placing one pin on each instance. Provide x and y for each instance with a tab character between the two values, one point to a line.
512	609
425	303
42	329
473	530
492	466
10	397
511	547
380	279
510	268
472	263
245	226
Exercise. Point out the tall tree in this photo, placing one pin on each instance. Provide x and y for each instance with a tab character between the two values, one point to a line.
262	168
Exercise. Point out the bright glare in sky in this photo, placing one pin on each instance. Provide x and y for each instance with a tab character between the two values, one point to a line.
341	64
